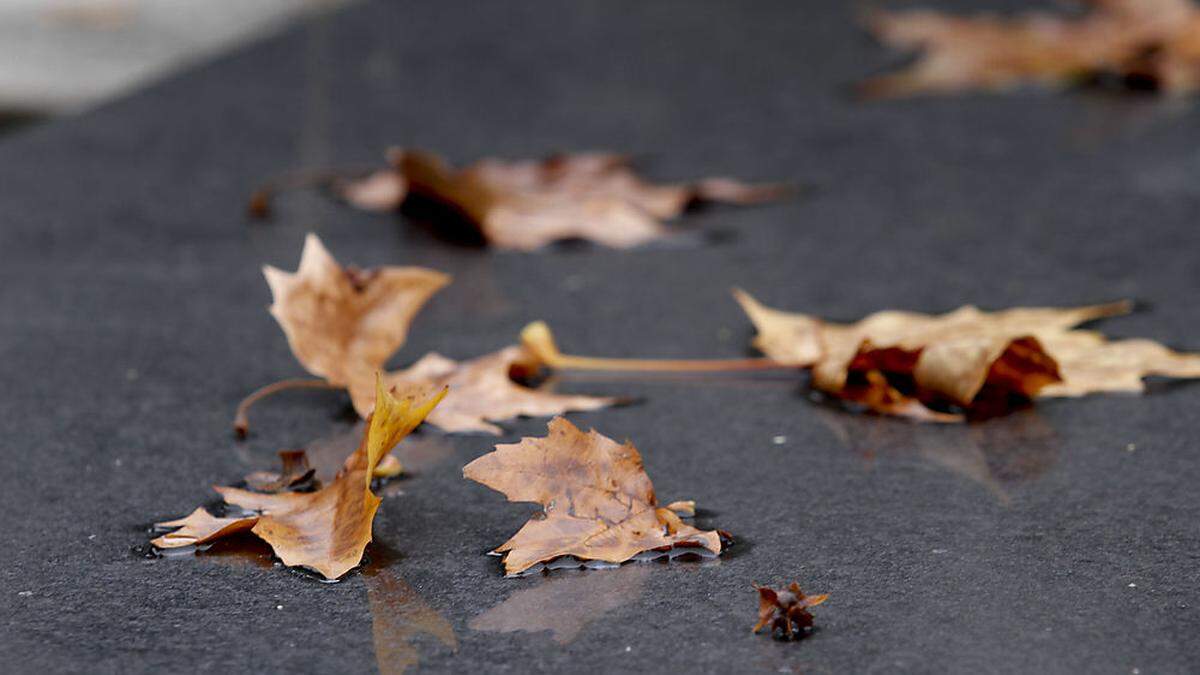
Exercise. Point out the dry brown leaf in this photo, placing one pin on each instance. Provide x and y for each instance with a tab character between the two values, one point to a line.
343	324
598	501
1152	43
326	530
902	363
786	610
480	390
201	527
528	204
294	473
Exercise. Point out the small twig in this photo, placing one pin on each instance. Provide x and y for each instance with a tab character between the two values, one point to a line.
241	419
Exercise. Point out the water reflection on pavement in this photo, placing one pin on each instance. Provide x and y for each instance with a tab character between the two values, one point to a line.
994	453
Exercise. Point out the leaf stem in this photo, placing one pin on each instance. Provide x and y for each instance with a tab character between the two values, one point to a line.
537	339
241	419
568	362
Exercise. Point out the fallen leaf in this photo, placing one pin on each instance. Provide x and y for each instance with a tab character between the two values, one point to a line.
201	527
343	324
480	390
326	530
1090	364
528	204
912	364
1153	43
598	503
293	473
786	610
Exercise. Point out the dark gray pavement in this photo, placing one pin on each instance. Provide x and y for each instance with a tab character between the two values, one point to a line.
132	319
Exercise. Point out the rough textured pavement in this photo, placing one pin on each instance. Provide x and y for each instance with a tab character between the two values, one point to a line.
132	319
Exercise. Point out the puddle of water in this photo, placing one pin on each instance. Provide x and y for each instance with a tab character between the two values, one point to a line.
241	550
565	603
992	453
568	562
400	617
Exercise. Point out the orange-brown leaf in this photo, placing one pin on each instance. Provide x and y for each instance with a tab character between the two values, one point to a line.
326	530
343	323
598	501
201	527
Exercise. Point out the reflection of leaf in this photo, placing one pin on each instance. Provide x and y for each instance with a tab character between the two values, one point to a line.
328	529
597	499
564	604
399	615
480	390
916	365
1011	448
1145	42
527	204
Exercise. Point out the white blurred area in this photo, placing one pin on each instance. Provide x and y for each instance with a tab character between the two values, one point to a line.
62	55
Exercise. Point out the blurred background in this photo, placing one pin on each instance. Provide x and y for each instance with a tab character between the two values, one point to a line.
60	56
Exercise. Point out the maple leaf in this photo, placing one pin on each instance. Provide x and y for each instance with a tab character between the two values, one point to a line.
598	503
326	530
480	390
786	610
528	204
1144	42
343	324
902	362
